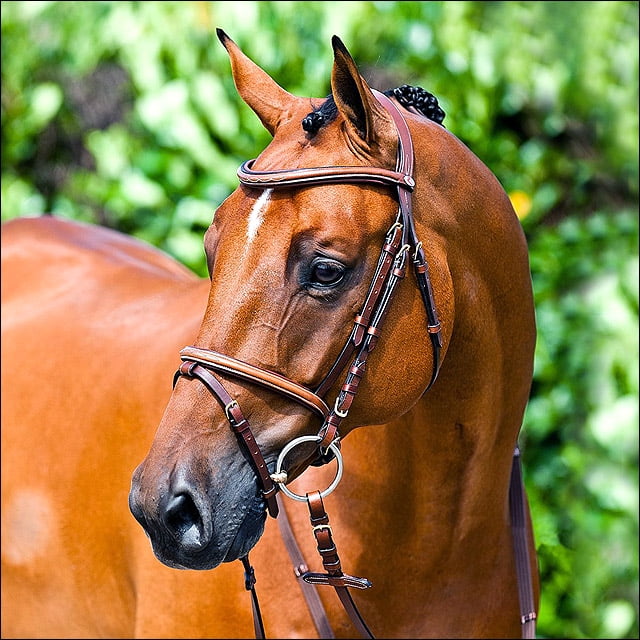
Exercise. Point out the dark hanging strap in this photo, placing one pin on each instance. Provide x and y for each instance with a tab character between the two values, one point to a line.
249	585
521	548
334	577
314	604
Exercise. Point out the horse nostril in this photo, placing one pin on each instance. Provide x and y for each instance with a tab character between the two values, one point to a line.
182	519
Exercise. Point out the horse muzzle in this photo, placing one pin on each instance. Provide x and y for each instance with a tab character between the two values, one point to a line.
188	529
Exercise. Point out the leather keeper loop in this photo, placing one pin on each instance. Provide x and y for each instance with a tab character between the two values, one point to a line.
332	567
249	575
240	427
345	405
268	493
390	247
316	509
329	431
336	581
326	545
318	521
357	370
186	368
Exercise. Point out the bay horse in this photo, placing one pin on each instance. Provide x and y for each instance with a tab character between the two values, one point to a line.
363	224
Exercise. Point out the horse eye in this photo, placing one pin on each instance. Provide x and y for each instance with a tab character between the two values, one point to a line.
326	273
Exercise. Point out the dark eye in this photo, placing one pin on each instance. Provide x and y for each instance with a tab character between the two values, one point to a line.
326	273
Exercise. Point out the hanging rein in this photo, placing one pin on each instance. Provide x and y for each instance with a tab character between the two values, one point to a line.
400	245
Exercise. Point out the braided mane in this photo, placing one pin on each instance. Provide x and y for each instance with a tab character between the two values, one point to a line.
408	96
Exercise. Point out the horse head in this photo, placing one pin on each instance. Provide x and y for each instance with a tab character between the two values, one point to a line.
297	303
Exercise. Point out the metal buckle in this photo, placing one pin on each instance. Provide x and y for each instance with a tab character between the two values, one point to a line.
338	412
417	250
227	410
318	527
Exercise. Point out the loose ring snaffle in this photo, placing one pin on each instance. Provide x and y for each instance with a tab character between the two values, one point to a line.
281	480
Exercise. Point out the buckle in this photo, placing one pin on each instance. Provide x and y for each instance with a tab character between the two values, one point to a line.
228	408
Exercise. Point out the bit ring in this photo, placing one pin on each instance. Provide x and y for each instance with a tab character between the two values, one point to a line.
294	443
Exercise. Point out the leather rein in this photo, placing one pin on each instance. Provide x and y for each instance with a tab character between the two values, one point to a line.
400	244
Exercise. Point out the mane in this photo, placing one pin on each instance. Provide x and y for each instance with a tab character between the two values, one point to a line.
414	98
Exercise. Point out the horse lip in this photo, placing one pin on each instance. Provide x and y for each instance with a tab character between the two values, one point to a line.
224	531
196	561
244	541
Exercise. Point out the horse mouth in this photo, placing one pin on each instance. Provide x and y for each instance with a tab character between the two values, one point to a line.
247	535
235	533
200	528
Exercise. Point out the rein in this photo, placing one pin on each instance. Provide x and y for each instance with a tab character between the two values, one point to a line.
400	244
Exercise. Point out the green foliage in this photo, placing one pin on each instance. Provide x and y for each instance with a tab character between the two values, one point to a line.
580	434
125	114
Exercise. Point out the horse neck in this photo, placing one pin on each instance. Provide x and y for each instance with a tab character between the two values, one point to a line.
439	474
428	467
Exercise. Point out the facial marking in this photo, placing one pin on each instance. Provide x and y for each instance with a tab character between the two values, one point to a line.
256	216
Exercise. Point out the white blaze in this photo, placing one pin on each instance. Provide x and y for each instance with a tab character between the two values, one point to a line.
256	216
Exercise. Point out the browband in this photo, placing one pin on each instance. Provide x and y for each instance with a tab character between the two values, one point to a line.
321	175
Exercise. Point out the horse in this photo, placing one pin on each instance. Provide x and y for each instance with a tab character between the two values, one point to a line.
364	223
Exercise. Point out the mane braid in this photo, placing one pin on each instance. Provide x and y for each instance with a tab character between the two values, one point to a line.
423	101
408	96
320	117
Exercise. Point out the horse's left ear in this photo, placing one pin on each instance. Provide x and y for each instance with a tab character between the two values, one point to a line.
270	102
363	113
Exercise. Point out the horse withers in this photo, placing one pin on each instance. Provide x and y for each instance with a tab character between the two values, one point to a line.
363	224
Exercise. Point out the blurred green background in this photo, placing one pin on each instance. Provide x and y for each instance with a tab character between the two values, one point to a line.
124	114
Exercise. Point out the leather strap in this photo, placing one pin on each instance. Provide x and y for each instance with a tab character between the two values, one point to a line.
331	562
357	369
379	297
405	159
300	568
389	250
321	175
249	585
521	548
239	424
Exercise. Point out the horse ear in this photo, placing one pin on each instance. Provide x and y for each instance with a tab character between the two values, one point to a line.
263	94
354	99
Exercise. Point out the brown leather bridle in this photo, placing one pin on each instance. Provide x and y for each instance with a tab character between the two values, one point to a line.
400	244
